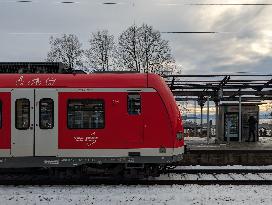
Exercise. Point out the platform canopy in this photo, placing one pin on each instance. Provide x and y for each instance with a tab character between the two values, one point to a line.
221	87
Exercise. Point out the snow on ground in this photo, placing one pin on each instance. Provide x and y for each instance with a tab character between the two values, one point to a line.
203	140
265	140
176	194
224	167
215	176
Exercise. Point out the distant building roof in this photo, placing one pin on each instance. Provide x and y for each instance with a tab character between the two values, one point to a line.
79	72
32	67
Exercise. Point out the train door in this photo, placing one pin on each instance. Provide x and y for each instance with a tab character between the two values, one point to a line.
134	123
22	126
33	129
46	126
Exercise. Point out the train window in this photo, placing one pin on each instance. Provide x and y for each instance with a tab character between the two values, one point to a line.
46	113
0	114
86	114
134	104
22	114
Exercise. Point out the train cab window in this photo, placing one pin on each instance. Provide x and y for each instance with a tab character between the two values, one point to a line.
0	114
46	113
22	114
134	104
86	114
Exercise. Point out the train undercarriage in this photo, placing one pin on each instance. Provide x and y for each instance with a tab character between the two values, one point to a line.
117	171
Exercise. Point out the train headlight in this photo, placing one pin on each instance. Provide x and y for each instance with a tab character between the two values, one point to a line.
179	135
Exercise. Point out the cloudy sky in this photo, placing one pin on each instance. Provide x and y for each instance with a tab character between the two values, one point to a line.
243	41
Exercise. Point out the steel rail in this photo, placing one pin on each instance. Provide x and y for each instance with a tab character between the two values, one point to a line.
45	179
28	182
208	182
220	75
217	171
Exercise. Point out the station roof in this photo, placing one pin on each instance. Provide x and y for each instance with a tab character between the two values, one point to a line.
221	87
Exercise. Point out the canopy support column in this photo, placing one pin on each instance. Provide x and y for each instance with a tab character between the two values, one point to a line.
240	118
208	119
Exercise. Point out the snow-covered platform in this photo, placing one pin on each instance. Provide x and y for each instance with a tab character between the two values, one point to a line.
197	143
201	151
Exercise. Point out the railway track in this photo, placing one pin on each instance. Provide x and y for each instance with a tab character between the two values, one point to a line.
166	179
134	182
172	177
217	171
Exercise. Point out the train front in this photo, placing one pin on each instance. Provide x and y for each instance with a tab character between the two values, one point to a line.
177	132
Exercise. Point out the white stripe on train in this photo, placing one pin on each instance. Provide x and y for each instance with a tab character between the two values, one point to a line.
108	152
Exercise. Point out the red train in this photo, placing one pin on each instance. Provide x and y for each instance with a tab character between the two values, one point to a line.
119	123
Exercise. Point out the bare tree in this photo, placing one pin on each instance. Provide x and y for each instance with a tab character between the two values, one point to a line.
128	55
142	49
65	49
100	54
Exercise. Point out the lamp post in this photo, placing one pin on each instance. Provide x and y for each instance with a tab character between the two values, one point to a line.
201	101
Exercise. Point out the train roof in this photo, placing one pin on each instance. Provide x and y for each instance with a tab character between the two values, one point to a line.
107	80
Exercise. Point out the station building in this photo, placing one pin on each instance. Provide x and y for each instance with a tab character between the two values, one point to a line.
228	129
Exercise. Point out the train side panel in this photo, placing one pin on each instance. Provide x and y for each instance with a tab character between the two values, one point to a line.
5	123
148	133
158	131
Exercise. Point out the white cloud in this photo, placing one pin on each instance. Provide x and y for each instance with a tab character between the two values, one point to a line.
242	44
